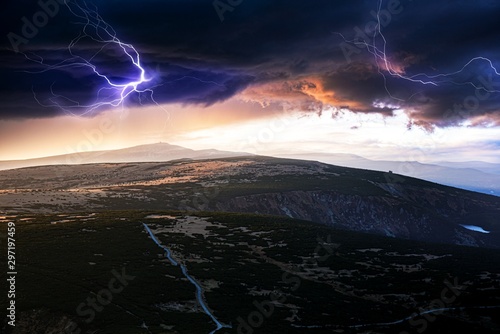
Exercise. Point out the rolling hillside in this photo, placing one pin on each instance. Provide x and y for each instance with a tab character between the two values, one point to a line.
352	199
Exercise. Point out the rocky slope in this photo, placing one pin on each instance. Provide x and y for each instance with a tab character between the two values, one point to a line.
353	199
429	220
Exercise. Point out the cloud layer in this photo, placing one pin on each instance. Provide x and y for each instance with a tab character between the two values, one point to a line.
291	54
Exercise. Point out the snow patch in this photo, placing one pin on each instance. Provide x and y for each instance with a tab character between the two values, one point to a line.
475	228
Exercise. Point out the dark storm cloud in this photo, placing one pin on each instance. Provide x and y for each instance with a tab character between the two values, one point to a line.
361	88
197	59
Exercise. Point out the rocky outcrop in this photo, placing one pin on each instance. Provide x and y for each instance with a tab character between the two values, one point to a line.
413	213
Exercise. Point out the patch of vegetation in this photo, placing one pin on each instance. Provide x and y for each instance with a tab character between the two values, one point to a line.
316	275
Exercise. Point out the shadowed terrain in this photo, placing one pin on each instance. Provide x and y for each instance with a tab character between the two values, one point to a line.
261	274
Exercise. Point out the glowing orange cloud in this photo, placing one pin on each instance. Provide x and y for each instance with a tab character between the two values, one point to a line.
305	94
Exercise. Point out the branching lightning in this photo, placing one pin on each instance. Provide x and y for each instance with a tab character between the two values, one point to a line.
378	48
114	93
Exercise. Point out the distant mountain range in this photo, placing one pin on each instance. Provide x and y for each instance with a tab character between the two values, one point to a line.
474	175
144	153
477	176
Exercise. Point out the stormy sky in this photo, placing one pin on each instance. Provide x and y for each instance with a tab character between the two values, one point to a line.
434	61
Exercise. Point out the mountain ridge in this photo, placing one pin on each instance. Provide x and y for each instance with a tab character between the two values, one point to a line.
474	175
158	152
484	178
354	199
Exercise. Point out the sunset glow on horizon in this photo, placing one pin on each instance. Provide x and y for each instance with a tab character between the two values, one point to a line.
358	81
221	127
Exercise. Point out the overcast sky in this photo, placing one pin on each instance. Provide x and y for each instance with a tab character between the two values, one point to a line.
378	79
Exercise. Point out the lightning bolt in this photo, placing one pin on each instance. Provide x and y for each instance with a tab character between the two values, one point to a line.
378	49
115	92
